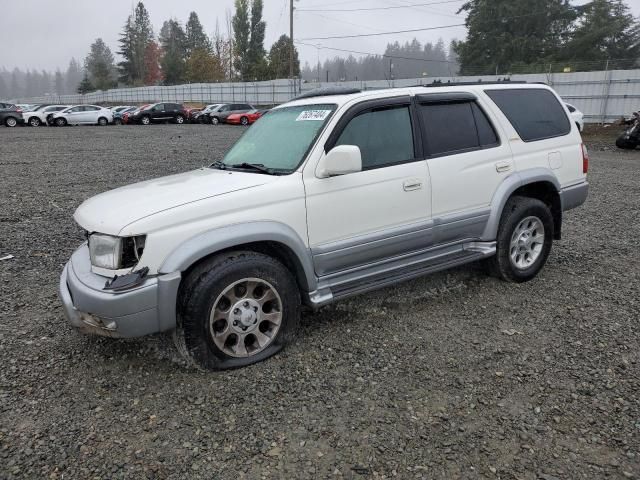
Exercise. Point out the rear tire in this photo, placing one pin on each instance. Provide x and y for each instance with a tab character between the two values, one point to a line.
235	310
117	121
244	121
11	122
103	122
35	122
146	120
215	121
524	240
179	119
60	122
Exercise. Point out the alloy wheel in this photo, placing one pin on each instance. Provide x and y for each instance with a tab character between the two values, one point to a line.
527	243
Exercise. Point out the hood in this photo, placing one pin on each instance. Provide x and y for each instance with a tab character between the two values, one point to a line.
112	211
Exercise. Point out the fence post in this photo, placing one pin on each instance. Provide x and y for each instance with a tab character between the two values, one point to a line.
607	91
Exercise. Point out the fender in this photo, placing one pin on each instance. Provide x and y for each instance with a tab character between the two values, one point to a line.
506	189
212	241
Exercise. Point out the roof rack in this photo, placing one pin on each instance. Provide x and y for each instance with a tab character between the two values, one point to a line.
328	92
500	81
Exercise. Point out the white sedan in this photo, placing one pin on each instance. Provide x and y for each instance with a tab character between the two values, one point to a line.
577	116
83	115
40	115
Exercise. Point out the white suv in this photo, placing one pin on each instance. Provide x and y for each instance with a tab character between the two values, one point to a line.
328	196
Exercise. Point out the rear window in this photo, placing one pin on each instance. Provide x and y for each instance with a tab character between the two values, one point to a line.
535	113
456	127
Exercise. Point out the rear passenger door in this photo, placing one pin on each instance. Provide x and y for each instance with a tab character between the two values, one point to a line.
468	158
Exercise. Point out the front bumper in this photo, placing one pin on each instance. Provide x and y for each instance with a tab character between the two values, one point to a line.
143	310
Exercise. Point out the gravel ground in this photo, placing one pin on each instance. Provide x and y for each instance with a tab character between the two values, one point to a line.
456	375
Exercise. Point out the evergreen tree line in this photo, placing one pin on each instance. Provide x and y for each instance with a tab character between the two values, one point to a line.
410	60
31	83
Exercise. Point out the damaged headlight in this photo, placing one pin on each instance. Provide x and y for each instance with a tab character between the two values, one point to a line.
115	253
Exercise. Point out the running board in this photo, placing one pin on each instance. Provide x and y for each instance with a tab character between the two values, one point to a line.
348	284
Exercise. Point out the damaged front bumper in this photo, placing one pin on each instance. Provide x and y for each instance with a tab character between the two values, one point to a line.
146	308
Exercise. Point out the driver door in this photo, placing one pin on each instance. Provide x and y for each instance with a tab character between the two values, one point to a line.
366	217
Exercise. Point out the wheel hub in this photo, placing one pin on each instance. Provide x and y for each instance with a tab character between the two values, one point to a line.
527	242
244	315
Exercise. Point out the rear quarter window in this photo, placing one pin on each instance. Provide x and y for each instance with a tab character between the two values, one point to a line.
535	113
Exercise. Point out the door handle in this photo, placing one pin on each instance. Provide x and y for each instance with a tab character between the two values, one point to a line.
411	185
503	167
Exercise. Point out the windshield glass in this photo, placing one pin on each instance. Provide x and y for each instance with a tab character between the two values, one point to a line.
281	139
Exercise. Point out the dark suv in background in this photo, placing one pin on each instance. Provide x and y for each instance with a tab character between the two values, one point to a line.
10	115
220	114
160	113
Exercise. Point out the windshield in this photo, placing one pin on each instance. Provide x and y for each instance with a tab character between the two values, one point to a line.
281	139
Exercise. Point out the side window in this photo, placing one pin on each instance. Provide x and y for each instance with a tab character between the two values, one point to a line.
535	113
159	107
91	108
384	135
76	110
455	127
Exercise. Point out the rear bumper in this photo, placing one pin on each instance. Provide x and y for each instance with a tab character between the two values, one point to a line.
574	196
146	309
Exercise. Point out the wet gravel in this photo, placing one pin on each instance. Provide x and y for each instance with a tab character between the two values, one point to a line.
456	375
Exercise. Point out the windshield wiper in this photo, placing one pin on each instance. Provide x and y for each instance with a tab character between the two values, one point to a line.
258	167
219	165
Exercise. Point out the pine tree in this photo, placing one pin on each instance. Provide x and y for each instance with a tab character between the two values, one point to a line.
606	31
100	66
85	85
134	39
173	41
196	38
502	33
127	41
73	77
279	59
59	83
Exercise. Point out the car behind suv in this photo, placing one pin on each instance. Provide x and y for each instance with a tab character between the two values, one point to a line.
222	112
331	195
10	115
160	113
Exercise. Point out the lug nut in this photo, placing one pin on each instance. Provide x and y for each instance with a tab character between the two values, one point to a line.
235	324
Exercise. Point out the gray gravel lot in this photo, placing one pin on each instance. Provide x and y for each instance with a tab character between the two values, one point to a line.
456	375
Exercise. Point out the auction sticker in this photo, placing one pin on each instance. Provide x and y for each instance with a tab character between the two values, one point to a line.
313	115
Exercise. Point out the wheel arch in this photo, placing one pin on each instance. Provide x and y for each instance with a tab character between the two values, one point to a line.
270	238
536	183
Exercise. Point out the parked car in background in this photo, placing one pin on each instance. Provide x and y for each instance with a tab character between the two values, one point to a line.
10	115
245	119
126	116
191	113
83	115
577	116
203	115
118	117
160	113
42	114
221	114
120	108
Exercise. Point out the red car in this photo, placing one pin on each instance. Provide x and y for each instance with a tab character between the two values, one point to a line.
126	115
245	119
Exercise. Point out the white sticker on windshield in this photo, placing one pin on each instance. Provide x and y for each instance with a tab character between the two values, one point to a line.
313	115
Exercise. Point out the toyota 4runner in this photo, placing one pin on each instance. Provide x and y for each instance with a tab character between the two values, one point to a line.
331	195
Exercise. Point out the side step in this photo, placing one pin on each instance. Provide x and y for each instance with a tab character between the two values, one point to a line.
403	274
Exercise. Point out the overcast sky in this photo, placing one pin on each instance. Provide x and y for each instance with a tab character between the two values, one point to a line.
45	34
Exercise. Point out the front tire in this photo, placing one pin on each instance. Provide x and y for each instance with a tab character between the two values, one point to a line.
244	121
179	119
235	310
215	121
524	241
145	120
61	122
11	122
625	143
35	122
103	122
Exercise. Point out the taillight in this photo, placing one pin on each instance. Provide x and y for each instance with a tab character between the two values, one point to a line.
585	159
18	110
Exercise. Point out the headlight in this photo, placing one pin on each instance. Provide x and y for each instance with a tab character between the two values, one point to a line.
114	253
105	251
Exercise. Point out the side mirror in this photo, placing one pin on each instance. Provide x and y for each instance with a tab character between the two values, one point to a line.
341	160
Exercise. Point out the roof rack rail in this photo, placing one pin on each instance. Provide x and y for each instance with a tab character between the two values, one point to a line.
327	92
500	81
